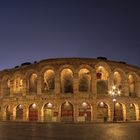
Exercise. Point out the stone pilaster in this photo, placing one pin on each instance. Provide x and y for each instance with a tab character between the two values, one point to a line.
125	89
76	112
75	83
11	87
25	114
110	80
94	112
138	88
39	85
25	88
93	83
40	117
57	83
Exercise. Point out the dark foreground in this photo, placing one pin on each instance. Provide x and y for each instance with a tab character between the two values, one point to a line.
42	131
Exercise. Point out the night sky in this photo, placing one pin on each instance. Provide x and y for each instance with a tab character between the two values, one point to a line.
32	30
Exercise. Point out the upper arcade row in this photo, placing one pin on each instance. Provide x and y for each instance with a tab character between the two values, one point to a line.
71	76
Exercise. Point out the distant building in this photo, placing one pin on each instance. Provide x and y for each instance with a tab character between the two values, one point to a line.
70	90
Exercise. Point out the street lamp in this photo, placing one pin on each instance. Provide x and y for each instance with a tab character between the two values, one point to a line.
114	92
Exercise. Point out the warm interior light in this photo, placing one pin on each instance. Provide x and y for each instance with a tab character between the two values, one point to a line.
49	105
131	105
114	100
100	67
20	106
84	104
101	104
34	105
67	103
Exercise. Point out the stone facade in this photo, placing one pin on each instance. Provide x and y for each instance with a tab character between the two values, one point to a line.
70	90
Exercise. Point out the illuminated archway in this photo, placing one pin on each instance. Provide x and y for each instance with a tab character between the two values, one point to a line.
85	111
48	81
67	112
132	85
119	112
6	86
19	112
33	83
102	76
33	112
132	112
84	80
102	111
18	84
8	113
67	81
48	112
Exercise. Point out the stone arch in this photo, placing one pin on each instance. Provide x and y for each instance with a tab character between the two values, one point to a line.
48	80
137	112
48	110
33	112
85	112
132	112
67	80
67	112
18	112
102	87
84	66
84	80
103	66
103	113
120	111
31	77
45	68
102	75
6	85
132	84
33	83
17	82
119	79
8	113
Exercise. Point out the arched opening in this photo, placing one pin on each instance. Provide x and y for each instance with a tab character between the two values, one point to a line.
49	81
33	112
8	113
48	112
117	80
102	87
119	111
67	112
18	84
33	83
102	80
131	112
84	80
6	87
85	112
102	111
67	81
131	84
19	112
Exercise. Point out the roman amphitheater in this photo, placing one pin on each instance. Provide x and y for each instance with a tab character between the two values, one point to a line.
70	90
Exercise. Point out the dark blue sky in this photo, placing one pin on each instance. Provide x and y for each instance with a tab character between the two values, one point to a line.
38	29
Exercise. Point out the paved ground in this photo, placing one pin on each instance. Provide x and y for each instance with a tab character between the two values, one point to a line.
42	131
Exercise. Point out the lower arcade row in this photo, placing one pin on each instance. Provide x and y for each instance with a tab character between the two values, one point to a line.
68	112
